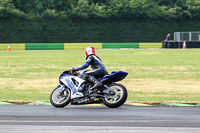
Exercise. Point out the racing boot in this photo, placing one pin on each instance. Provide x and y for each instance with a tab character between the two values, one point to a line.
95	82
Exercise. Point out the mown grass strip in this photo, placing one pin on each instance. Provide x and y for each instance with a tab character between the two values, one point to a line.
5	103
39	103
176	105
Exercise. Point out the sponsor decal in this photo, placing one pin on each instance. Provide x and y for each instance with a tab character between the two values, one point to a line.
71	85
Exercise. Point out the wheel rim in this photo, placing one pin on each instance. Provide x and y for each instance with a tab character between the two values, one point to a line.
118	93
58	98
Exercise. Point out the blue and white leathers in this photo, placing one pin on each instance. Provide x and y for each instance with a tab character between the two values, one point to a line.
94	61
98	68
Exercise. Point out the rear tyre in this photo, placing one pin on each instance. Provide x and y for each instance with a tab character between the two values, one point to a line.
60	99
118	97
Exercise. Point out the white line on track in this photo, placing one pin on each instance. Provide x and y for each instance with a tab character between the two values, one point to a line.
93	129
128	121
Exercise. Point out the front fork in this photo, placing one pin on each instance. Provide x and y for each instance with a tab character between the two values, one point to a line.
62	90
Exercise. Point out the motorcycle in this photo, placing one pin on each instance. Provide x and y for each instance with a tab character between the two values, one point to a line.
75	90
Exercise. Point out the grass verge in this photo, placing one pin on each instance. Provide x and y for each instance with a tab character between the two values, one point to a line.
155	75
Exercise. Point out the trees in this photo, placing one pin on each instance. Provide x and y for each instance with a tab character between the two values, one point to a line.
152	9
193	8
7	4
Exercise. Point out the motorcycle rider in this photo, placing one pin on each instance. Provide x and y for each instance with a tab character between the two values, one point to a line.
98	68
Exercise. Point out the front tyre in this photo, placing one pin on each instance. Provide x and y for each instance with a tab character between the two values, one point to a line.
118	96
60	98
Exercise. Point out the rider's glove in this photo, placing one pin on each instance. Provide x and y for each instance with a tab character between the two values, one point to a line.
73	69
76	69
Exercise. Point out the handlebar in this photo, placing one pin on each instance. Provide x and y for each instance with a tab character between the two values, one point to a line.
73	72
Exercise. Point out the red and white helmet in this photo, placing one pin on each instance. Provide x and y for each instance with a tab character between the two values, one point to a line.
89	51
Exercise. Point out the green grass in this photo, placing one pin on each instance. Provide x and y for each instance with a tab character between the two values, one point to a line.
155	75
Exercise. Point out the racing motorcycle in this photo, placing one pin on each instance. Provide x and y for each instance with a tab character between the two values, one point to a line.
75	90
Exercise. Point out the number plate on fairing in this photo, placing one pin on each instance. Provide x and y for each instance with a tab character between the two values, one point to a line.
85	100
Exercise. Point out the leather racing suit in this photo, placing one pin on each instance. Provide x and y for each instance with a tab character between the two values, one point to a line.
98	68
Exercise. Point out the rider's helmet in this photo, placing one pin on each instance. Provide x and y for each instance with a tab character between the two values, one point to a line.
89	51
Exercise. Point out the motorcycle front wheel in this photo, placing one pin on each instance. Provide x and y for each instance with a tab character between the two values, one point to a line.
117	97
60	98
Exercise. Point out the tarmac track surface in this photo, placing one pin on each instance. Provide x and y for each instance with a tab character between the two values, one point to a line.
98	119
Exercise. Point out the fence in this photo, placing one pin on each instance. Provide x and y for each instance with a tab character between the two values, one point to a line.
186	36
189	44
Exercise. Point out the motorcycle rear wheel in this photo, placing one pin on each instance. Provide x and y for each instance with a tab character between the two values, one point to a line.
118	98
60	100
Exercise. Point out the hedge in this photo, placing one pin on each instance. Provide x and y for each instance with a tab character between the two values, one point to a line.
53	29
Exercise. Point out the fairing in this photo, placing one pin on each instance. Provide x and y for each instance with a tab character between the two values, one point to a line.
115	76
